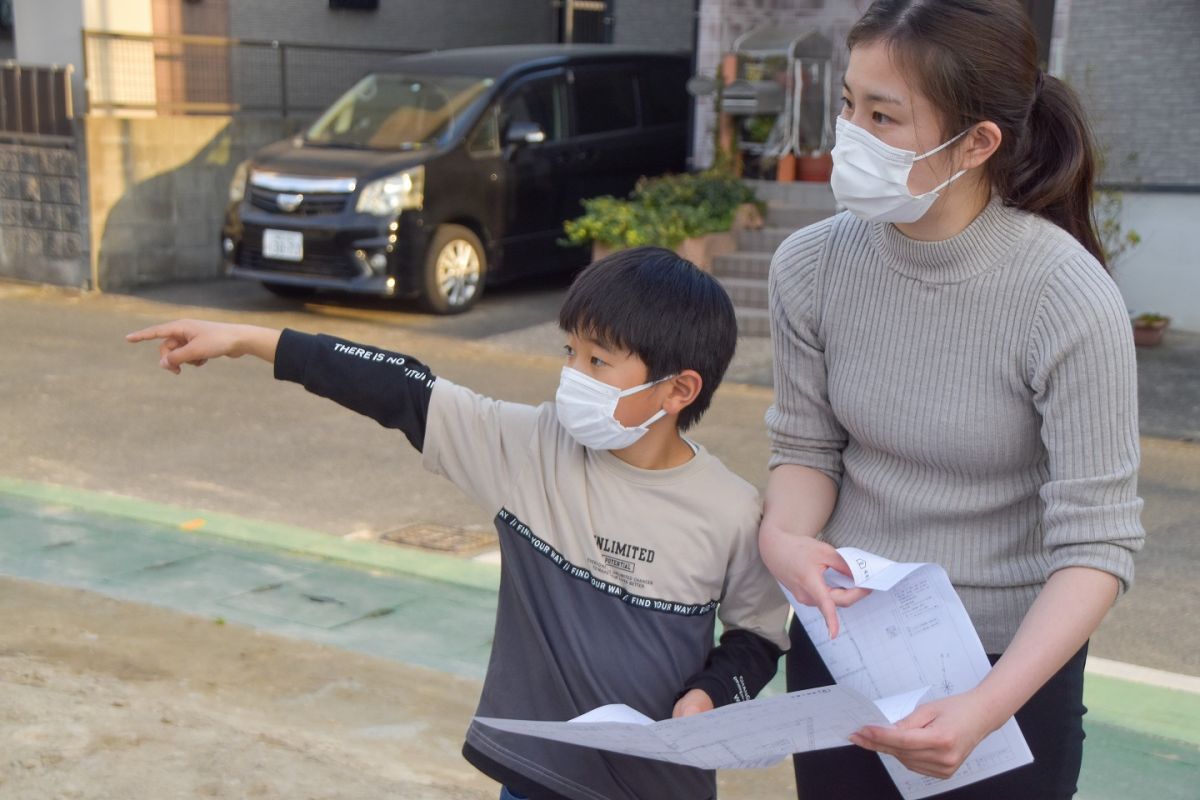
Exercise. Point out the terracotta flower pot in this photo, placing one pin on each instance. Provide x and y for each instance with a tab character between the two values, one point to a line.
1149	333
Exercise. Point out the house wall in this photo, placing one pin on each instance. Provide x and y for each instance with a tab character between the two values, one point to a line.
666	24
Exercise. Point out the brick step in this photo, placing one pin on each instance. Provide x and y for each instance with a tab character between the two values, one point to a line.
801	193
746	293
794	217
763	240
753	322
742	265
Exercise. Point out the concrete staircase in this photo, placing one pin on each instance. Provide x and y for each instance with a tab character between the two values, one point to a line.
790	206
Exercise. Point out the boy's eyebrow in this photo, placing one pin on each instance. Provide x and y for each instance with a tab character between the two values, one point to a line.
876	97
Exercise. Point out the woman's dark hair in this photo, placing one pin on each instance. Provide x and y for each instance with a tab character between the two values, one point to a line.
663	309
977	60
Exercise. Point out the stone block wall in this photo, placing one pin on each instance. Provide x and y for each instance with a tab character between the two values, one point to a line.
43	221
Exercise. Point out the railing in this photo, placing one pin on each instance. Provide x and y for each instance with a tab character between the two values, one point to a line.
138	74
35	101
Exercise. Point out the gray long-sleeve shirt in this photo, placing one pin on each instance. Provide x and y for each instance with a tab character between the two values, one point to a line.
974	398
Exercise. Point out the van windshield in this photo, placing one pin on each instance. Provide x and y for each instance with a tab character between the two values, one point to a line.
397	112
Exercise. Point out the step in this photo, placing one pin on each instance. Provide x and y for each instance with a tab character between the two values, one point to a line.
763	240
817	196
794	217
753	322
746	292
742	265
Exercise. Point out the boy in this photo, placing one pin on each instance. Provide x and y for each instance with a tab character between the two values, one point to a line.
620	539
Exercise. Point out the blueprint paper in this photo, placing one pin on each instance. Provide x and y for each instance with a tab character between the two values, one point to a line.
911	631
755	733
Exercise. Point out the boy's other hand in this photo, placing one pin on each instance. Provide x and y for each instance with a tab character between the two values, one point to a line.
695	701
189	341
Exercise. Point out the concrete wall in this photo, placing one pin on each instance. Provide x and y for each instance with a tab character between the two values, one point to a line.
402	24
667	24
42	216
48	32
1162	274
158	190
1136	64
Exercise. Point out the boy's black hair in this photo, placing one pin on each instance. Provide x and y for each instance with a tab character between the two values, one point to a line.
661	308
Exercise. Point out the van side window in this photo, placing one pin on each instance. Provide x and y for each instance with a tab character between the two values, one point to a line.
539	101
605	100
663	92
485	139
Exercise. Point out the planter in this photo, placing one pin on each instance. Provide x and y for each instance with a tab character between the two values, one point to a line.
700	250
1149	334
814	168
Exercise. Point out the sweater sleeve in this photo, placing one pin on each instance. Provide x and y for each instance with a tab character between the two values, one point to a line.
390	388
1083	373
801	424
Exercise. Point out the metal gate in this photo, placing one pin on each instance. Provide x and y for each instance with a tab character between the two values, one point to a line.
586	21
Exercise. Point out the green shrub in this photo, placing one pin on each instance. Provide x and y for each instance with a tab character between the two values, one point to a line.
661	211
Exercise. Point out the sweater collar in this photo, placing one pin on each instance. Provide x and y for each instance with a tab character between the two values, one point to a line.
973	251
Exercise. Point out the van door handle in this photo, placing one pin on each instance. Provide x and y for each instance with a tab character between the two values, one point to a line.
585	156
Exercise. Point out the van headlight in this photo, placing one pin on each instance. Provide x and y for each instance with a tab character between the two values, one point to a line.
387	196
237	186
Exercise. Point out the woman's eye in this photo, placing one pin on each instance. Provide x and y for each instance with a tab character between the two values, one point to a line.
847	104
881	119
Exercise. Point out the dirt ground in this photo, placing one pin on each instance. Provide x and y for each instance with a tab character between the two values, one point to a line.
101	699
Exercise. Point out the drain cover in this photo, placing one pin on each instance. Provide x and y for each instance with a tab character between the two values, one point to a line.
443	538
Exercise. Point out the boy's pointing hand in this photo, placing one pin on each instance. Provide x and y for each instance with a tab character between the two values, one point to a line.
189	341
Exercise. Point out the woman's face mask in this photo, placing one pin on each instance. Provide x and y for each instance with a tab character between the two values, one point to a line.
870	177
585	407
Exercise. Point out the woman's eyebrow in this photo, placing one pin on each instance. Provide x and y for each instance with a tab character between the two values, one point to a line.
876	97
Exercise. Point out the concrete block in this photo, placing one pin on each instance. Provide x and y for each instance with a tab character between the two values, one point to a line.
33	243
10	186
10	212
8	159
28	160
31	215
51	190
72	218
31	188
51	217
69	190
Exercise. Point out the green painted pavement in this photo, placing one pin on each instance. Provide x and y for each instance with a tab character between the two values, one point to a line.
434	611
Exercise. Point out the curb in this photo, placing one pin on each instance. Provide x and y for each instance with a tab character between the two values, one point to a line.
270	535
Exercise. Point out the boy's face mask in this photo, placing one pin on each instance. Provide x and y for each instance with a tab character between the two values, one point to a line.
585	408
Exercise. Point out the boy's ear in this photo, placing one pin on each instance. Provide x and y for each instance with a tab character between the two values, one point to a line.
684	389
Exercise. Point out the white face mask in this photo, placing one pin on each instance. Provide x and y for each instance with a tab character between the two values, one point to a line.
870	177
585	408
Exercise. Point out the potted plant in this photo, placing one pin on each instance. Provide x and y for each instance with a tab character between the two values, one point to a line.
1148	329
696	215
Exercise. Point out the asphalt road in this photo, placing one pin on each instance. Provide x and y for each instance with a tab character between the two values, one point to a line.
80	408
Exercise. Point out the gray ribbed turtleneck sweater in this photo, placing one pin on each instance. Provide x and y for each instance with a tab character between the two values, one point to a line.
975	399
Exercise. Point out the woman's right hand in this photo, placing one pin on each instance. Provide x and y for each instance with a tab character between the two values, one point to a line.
799	563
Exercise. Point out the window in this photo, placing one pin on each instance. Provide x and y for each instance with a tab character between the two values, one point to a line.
663	92
538	101
605	100
485	139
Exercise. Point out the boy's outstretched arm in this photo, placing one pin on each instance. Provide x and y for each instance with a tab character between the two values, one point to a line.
391	388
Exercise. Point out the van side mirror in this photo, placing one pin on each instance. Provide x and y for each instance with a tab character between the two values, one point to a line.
524	132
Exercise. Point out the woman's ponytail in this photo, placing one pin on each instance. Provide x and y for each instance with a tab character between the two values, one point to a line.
1051	172
976	60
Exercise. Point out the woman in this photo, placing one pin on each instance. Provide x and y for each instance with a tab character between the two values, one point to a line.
956	383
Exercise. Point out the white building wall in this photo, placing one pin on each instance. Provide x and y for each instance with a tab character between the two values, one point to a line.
1162	274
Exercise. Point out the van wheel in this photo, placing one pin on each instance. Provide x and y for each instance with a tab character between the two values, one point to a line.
288	290
455	266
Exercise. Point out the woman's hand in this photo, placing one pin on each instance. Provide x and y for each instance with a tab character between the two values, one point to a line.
937	737
696	701
189	341
799	563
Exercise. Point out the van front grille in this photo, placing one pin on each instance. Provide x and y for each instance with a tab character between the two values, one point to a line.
312	205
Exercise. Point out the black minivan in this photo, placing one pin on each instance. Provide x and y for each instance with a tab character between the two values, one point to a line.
455	168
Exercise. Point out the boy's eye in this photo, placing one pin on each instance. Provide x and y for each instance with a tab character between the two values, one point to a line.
568	351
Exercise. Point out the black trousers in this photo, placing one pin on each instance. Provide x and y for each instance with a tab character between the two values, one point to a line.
1052	722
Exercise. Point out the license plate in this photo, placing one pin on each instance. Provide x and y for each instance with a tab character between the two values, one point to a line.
283	245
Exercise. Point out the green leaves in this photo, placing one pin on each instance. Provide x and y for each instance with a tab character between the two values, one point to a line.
661	211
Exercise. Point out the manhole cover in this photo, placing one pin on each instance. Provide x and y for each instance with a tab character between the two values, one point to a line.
443	537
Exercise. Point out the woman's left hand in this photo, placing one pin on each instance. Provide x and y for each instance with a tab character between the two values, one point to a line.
936	738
